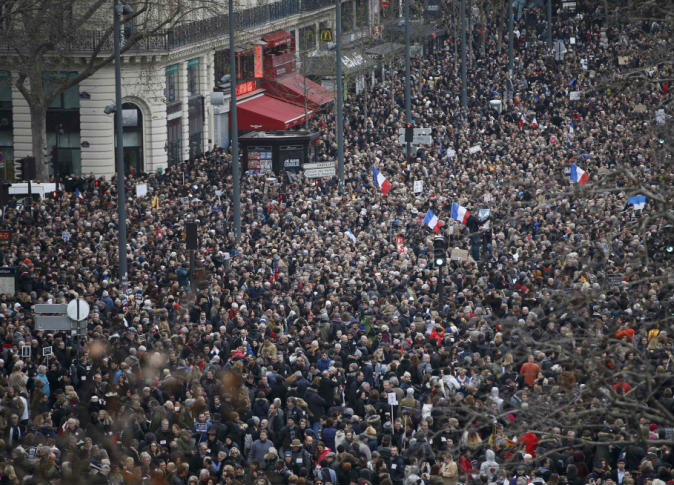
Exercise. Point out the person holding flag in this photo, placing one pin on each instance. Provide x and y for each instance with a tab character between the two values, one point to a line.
578	174
432	221
380	181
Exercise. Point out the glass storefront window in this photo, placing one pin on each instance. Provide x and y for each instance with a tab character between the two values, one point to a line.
6	126
193	77
172	92
63	125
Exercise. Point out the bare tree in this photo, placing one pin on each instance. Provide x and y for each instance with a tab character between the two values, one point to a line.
44	36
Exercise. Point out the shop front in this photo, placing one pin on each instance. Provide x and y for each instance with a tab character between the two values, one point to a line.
277	152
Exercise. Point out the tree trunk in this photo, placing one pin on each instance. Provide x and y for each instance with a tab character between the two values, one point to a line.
34	96
38	125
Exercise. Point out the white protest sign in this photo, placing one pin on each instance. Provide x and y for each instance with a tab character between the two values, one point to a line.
572	41
141	190
475	149
483	214
575	95
392	399
46	351
418	186
660	117
451	153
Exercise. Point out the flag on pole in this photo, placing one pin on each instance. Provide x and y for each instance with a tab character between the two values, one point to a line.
351	235
432	221
638	202
460	213
380	180
534	123
578	174
523	119
79	194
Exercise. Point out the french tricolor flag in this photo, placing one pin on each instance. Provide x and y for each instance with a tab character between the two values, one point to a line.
380	180
432	221
578	174
534	123
460	213
79	194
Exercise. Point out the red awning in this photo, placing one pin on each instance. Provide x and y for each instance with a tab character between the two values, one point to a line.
267	113
292	88
280	37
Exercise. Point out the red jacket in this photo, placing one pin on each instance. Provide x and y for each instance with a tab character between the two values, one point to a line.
436	335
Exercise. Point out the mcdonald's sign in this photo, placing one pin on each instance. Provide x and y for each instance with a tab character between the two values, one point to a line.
326	35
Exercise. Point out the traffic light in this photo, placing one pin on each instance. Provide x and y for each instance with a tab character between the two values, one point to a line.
409	132
27	168
191	235
439	251
4	193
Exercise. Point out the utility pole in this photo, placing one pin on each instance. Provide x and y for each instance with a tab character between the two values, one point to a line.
340	96
119	148
511	55
511	14
464	95
408	89
236	168
550	25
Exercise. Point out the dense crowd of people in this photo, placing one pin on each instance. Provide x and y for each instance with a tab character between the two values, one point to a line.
300	356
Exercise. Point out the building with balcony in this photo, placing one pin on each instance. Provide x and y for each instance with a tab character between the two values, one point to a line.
167	84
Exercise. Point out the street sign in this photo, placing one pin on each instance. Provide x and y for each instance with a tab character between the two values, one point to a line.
7	280
55	317
52	322
418	140
46	308
417	131
78	309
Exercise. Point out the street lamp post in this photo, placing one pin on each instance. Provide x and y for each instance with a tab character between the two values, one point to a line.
550	25
464	91
408	87
118	11
236	167
340	96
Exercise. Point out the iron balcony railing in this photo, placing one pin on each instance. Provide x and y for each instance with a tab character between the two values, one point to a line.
85	41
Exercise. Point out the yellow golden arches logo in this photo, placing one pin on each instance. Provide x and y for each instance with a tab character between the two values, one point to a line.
326	35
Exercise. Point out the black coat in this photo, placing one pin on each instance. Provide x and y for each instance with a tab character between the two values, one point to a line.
317	405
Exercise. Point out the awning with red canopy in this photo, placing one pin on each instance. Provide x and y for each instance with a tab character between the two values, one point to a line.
264	112
278	38
292	88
